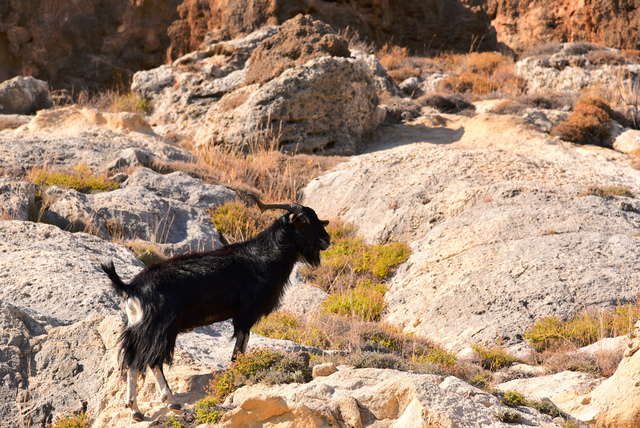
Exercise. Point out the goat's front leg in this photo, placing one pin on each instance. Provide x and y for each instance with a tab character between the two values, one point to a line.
241	344
165	392
132	385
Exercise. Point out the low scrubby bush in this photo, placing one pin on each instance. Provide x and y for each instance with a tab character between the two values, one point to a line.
590	123
493	358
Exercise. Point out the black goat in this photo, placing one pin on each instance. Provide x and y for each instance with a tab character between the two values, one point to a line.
242	281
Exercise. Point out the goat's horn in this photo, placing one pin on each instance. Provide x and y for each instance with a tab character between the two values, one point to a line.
289	206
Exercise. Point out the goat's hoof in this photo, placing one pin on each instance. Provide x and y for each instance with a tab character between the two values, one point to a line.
175	408
137	416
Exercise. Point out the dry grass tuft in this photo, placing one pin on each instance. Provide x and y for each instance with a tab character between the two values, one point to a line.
264	170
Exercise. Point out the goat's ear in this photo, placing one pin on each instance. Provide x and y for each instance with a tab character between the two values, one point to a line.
294	217
324	223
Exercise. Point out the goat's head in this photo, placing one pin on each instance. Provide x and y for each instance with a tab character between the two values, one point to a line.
310	234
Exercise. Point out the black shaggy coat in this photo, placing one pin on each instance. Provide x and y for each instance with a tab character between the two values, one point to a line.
243	281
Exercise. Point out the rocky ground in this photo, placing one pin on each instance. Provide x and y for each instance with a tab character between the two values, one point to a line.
502	226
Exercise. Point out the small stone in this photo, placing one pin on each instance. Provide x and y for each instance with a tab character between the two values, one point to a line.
325	369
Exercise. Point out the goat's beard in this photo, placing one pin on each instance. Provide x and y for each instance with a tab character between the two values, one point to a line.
311	255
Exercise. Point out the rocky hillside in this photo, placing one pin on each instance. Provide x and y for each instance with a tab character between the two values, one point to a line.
103	43
507	224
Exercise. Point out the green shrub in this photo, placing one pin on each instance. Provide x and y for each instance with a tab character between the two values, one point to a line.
349	261
259	365
71	420
366	301
172	422
79	179
438	356
546	407
131	103
286	326
147	253
514	399
208	411
493	358
238	222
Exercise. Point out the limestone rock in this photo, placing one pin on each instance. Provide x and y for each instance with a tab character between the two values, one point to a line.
63	278
184	91
325	369
628	141
181	187
499	234
70	136
298	41
136	212
566	71
367	397
15	199
24	95
560	388
326	106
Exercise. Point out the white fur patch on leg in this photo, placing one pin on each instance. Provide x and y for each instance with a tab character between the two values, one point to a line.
134	311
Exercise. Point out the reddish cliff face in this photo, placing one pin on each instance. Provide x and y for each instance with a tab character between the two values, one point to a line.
522	24
83	43
92	43
420	24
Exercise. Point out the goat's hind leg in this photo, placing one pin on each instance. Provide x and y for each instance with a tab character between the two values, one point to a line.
165	392
132	386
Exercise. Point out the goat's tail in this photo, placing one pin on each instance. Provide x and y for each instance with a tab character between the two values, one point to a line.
119	286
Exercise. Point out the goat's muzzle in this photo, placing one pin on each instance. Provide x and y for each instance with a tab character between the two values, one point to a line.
324	243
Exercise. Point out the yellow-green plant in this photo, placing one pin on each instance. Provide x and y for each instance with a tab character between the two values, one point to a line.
514	399
238	222
72	420
79	178
493	357
350	261
365	301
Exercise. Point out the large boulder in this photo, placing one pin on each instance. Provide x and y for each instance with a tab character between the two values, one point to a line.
325	106
296	87
500	231
24	95
63	277
183	91
298	41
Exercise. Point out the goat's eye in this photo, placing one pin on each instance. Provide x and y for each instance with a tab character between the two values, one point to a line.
303	221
